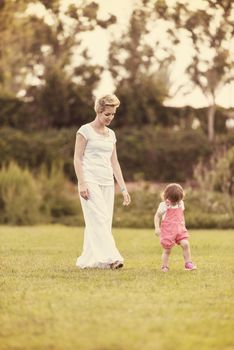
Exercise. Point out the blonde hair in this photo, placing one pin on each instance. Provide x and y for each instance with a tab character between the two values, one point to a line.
108	100
174	192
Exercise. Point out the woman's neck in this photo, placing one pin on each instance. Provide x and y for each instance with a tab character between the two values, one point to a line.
98	125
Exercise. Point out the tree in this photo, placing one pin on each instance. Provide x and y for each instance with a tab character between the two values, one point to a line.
12	58
141	78
211	32
41	49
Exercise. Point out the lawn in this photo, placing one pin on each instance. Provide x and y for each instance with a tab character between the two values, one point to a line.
47	303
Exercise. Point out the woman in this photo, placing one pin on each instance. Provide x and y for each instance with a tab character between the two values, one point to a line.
95	162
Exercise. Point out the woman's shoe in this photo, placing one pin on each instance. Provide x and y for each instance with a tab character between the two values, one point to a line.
116	265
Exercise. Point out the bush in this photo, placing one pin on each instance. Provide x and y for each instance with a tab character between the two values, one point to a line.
51	198
159	154
220	174
47	198
224	173
203	209
19	196
35	149
56	201
162	154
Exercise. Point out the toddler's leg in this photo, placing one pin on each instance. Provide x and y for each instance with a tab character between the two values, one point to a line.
165	257
186	250
187	255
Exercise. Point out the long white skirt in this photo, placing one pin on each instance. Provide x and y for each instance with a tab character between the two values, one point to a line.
99	249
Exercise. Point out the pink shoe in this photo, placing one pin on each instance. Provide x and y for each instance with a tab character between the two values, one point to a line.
189	266
164	268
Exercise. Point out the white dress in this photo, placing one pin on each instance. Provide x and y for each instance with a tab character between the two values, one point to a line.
99	249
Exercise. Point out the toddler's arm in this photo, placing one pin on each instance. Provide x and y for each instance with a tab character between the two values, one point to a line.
182	205
157	218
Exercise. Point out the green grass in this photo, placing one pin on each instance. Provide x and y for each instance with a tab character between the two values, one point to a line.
47	303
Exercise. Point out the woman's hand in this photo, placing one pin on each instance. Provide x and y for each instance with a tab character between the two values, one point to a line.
157	231
127	198
84	192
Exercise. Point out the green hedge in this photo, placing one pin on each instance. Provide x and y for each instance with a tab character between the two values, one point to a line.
161	154
203	209
20	198
47	196
150	153
36	149
73	107
44	197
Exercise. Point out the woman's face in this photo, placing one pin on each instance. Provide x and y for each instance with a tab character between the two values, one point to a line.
107	115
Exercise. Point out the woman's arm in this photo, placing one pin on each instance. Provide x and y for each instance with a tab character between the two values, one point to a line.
119	177
80	145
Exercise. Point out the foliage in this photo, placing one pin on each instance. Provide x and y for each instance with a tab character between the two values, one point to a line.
224	173
203	209
141	102
28	200
73	107
220	174
13	112
161	154
34	149
19	196
148	152
209	209
210	31
50	198
63	103
39	64
141	88
43	60
57	202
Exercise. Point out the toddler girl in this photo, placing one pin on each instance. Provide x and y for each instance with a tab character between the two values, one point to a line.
172	229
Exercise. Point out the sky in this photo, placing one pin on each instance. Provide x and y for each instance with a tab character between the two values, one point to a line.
98	41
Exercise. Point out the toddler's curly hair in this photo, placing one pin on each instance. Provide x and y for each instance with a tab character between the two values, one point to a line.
173	192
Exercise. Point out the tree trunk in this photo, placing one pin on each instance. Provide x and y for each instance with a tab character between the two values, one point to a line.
211	119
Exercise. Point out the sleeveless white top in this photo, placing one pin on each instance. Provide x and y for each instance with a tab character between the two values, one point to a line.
96	162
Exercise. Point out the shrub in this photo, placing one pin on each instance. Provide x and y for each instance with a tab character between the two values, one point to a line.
161	154
220	174
224	173
153	153
203	209
46	198
36	149
56	201
19	196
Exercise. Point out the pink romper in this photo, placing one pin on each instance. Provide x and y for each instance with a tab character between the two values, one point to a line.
173	228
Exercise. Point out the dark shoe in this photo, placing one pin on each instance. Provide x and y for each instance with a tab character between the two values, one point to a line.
116	265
